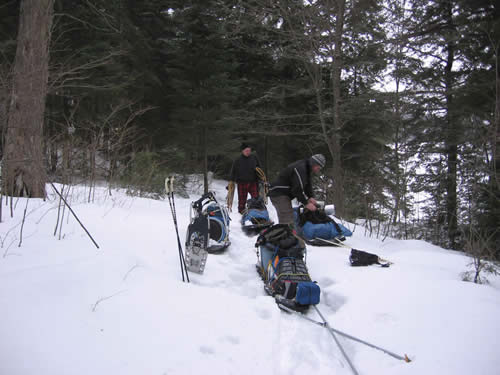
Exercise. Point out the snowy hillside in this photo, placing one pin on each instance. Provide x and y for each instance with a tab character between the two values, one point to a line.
68	308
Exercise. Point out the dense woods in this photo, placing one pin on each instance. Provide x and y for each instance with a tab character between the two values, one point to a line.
402	96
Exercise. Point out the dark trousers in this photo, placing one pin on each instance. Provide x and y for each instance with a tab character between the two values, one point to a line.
243	189
283	206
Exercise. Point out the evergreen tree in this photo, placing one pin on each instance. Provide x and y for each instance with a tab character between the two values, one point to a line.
202	71
436	37
481	99
106	77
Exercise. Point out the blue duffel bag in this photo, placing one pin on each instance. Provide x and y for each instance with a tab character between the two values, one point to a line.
324	230
308	293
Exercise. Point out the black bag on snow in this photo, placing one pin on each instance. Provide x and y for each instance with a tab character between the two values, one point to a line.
362	258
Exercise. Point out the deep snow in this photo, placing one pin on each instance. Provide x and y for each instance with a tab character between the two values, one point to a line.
70	308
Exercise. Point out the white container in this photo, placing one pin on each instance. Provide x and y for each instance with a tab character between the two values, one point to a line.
330	209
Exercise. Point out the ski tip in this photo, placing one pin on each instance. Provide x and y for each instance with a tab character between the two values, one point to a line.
407	360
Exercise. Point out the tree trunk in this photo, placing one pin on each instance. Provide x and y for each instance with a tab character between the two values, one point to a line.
24	161
338	173
3	112
398	178
495	178
495	170
451	141
205	159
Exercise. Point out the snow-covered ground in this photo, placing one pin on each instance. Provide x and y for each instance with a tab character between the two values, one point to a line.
68	308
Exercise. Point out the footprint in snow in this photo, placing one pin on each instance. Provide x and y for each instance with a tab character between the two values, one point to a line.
333	300
385	318
207	350
325	282
231	339
263	313
238	277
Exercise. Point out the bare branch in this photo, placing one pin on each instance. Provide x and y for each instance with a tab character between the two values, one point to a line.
67	76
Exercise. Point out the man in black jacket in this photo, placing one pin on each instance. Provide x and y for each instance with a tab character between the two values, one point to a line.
295	182
244	174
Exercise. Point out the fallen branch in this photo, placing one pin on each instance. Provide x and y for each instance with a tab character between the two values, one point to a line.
76	217
22	224
129	271
104	299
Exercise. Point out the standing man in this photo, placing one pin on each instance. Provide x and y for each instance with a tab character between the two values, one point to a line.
244	174
295	182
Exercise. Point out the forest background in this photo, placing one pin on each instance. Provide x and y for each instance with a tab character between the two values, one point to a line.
402	96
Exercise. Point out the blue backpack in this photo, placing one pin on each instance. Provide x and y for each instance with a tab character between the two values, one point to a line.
218	222
317	224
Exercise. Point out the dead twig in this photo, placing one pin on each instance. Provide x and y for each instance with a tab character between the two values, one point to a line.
22	223
130	270
104	299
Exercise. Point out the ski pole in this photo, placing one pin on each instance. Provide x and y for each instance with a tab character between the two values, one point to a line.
388	352
181	253
76	217
174	216
337	341
169	188
334	243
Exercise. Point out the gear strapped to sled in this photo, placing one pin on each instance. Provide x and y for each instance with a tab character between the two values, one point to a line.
255	216
275	234
283	269
318	228
208	231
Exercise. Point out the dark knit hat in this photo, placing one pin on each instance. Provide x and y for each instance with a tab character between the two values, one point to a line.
318	159
244	145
